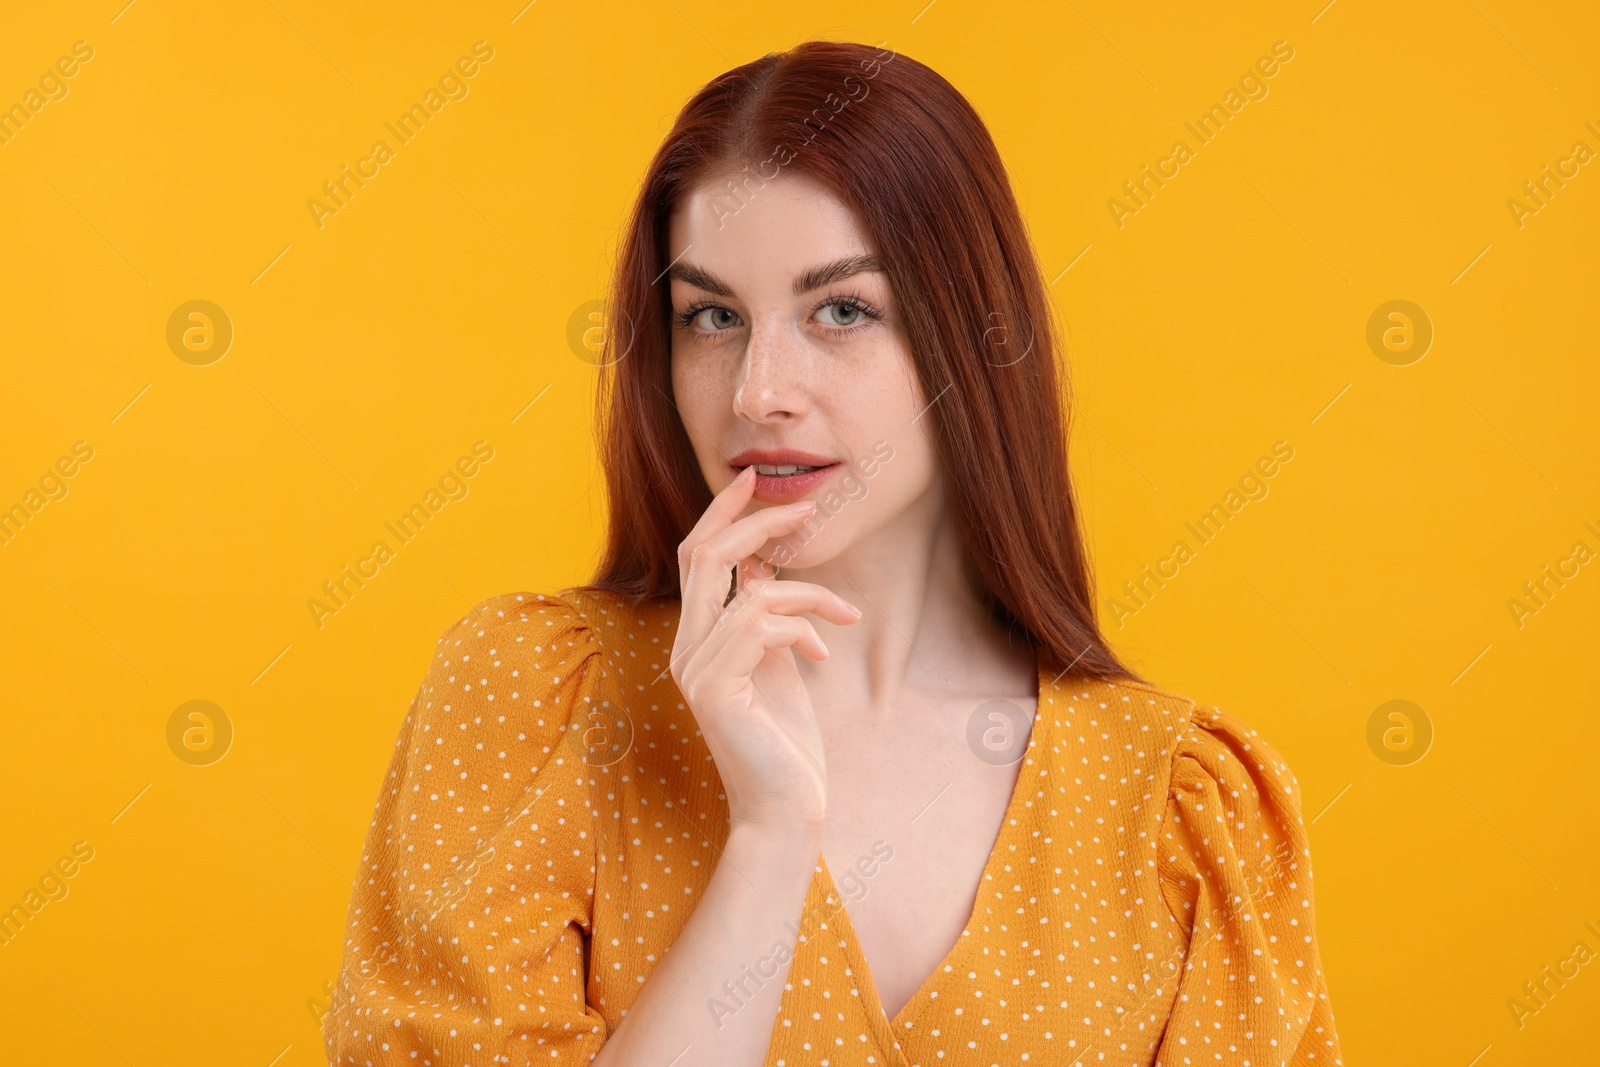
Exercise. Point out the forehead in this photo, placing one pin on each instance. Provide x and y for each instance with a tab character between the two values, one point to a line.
754	231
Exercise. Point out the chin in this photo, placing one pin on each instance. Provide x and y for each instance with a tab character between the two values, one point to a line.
797	553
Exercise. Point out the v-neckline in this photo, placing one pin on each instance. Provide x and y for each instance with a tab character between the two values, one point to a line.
866	985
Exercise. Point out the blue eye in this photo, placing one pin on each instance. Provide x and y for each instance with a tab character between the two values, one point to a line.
859	315
689	314
848	307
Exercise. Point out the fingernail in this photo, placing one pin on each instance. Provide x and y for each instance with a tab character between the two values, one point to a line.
802	505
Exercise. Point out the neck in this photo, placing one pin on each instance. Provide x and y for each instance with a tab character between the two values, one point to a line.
924	632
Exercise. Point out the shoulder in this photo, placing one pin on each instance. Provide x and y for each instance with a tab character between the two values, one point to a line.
512	670
1222	747
551	627
1221	760
520	645
1158	718
514	619
1131	697
511	684
511	640
1233	819
1193	739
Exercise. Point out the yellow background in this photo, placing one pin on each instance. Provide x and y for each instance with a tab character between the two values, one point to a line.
1227	314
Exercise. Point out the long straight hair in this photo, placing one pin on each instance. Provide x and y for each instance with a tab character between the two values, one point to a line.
898	144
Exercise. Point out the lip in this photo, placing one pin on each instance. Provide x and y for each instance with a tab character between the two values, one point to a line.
772	489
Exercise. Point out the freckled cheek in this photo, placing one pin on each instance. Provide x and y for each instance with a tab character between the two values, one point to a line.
878	405
701	385
704	401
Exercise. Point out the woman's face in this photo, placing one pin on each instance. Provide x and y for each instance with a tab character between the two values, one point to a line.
788	351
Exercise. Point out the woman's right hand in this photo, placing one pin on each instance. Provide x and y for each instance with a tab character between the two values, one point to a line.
735	664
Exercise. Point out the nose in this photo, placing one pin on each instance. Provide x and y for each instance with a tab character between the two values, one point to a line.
772	384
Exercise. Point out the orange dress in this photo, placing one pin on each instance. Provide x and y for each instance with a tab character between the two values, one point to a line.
551	815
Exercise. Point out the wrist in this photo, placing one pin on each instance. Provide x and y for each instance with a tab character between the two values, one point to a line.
798	840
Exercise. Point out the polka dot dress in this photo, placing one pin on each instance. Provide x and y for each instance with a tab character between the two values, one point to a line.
551	815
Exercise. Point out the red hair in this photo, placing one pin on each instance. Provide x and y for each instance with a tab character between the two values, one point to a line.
898	144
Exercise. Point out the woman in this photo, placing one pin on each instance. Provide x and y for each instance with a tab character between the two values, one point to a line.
834	723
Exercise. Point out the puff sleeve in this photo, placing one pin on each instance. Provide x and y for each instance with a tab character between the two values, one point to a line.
1235	870
468	923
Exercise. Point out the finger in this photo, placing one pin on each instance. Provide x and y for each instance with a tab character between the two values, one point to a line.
778	598
725	672
710	583
753	566
712	562
725	507
787	596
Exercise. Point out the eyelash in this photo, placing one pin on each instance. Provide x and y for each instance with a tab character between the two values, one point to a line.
687	316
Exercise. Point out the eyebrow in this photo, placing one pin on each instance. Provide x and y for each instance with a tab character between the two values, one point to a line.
809	280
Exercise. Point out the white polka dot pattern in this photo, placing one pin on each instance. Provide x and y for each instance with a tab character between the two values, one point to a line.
1148	900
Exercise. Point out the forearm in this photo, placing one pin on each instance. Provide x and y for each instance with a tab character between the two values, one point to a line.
751	906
